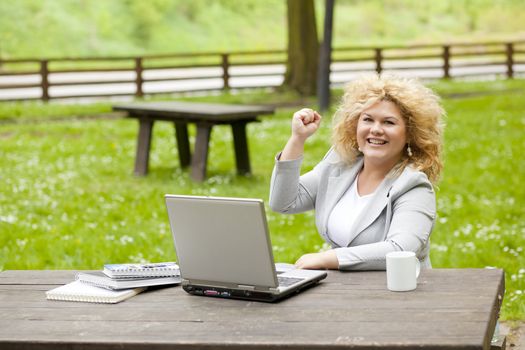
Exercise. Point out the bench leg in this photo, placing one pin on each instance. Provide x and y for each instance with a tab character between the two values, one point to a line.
240	142
183	144
143	147
200	154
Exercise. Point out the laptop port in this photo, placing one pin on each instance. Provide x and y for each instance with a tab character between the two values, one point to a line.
211	293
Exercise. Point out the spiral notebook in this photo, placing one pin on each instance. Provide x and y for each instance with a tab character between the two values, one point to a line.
78	291
163	269
98	279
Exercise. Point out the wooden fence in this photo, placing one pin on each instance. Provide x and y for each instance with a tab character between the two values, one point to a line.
45	79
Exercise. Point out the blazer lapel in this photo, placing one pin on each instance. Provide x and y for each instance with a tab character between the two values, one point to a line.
373	209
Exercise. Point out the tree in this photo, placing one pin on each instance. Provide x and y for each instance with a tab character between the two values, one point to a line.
303	48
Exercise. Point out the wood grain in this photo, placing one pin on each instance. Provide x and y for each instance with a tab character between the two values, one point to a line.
450	309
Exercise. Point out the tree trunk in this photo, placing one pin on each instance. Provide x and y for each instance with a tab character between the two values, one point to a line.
303	48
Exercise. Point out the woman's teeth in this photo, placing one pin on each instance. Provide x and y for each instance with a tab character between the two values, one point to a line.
376	142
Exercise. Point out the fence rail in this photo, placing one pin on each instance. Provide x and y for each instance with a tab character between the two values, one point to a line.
53	78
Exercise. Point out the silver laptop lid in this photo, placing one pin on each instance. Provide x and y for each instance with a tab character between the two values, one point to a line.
222	240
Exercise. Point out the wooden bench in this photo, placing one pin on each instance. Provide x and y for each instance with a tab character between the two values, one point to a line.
450	309
205	116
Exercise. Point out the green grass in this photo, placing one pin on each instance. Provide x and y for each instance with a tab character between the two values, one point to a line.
37	111
68	199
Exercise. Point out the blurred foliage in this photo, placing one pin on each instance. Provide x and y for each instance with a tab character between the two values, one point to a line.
51	28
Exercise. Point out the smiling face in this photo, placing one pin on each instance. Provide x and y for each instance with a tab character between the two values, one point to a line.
381	133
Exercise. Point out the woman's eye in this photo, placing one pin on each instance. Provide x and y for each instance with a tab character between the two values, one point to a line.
389	122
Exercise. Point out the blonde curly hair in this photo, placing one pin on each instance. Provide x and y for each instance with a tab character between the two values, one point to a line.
420	108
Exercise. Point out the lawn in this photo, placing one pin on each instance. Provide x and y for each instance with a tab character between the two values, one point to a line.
68	199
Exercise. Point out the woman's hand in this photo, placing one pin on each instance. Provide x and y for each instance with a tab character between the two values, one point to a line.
318	261
305	123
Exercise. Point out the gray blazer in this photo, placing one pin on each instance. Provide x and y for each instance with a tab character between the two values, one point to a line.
400	215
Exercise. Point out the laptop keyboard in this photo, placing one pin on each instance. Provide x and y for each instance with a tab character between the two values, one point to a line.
287	281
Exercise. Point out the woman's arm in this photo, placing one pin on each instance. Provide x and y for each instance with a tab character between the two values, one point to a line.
318	261
289	191
305	123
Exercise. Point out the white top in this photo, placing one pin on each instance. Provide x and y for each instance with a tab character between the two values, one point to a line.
344	214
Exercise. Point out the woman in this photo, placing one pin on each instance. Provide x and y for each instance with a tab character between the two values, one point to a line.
372	193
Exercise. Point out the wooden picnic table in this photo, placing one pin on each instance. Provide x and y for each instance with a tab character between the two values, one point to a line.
450	309
205	116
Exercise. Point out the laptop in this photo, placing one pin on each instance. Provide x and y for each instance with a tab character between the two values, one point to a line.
224	250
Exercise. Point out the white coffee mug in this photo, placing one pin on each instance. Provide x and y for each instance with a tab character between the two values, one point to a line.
402	271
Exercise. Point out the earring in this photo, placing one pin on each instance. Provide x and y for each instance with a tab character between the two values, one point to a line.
359	149
409	150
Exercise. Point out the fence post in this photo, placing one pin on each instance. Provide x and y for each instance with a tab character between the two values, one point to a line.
138	77
225	71
446	61
44	74
510	60
379	58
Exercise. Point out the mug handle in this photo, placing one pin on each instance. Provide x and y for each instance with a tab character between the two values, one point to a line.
418	267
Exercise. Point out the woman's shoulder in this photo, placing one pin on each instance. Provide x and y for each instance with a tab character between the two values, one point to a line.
335	158
331	156
334	164
411	178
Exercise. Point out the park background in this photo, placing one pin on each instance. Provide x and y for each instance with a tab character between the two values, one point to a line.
68	199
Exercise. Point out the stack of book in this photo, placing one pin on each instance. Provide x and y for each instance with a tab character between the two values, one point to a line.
116	282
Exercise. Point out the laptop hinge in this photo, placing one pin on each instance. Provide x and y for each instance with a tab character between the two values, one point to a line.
273	289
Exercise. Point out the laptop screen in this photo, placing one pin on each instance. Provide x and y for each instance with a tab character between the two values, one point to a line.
221	240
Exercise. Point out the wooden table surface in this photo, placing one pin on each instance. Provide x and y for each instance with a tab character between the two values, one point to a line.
194	111
450	309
